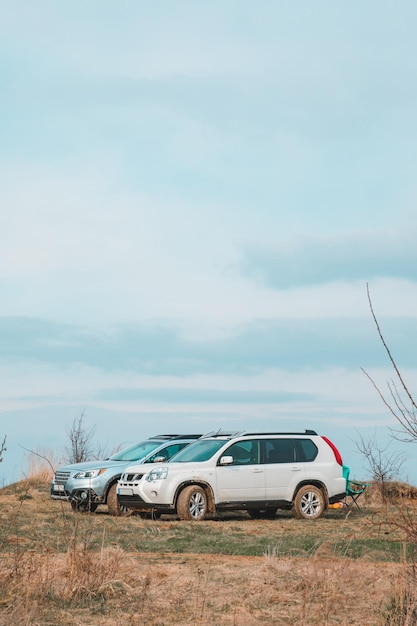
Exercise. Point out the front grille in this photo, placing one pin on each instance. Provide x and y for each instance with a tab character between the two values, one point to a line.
132	477
61	478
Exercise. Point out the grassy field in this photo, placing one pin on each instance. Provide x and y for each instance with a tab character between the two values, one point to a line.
63	568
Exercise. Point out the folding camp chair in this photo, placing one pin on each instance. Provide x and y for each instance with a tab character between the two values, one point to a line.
354	489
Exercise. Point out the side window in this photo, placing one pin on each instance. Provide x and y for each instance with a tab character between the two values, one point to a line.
171	450
167	452
279	451
244	452
305	450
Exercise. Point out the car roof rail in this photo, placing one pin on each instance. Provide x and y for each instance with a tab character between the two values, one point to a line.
177	436
223	433
233	434
245	433
298	432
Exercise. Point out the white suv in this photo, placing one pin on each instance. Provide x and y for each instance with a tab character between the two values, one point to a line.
256	472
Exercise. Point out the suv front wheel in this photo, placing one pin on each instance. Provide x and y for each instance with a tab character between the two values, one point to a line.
192	504
309	502
113	505
83	506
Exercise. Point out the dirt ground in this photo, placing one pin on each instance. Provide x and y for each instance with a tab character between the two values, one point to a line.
161	590
51	574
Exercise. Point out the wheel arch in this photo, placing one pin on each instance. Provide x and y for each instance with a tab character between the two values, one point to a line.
113	481
315	483
200	483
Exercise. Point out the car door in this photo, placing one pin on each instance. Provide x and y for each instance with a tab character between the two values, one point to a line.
282	469
243	478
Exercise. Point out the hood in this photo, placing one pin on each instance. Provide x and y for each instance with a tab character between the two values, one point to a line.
145	468
89	465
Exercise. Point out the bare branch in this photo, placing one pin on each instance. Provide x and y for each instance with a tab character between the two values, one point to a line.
41	456
407	419
405	415
383	465
410	397
80	437
381	395
3	448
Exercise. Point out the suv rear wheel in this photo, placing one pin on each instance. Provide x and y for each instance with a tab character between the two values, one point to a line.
192	504
309	502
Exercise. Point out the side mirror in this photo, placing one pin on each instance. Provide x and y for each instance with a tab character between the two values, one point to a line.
226	460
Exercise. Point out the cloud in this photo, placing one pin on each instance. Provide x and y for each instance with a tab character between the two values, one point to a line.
192	202
192	396
347	257
159	349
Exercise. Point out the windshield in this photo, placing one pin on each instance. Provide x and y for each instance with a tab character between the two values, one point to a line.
136	452
201	450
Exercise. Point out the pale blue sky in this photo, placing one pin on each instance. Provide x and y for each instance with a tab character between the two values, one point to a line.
193	198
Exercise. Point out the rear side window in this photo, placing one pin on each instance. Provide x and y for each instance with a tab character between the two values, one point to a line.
305	450
289	451
279	451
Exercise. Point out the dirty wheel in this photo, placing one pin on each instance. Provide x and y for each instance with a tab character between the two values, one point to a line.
113	505
192	504
83	506
309	502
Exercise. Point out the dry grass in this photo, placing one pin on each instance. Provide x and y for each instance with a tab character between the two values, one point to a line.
60	568
40	464
158	590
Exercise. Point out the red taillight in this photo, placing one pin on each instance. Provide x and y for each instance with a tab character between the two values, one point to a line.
336	452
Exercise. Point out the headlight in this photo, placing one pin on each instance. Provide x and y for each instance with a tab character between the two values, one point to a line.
90	473
158	473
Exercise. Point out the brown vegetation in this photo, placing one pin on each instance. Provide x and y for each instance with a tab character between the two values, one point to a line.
59	567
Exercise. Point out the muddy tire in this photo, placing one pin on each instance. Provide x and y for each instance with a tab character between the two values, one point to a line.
192	505
309	503
268	513
113	505
83	506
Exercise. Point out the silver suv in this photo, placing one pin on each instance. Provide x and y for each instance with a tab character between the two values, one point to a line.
256	472
88	484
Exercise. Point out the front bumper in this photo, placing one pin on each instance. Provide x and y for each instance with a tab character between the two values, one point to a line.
60	495
78	495
136	503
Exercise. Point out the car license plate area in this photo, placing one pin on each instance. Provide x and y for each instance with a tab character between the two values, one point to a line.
125	491
58	488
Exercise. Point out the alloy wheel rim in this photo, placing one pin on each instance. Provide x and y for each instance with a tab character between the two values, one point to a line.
196	505
310	504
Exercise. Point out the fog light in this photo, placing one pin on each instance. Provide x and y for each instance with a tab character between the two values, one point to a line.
154	493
